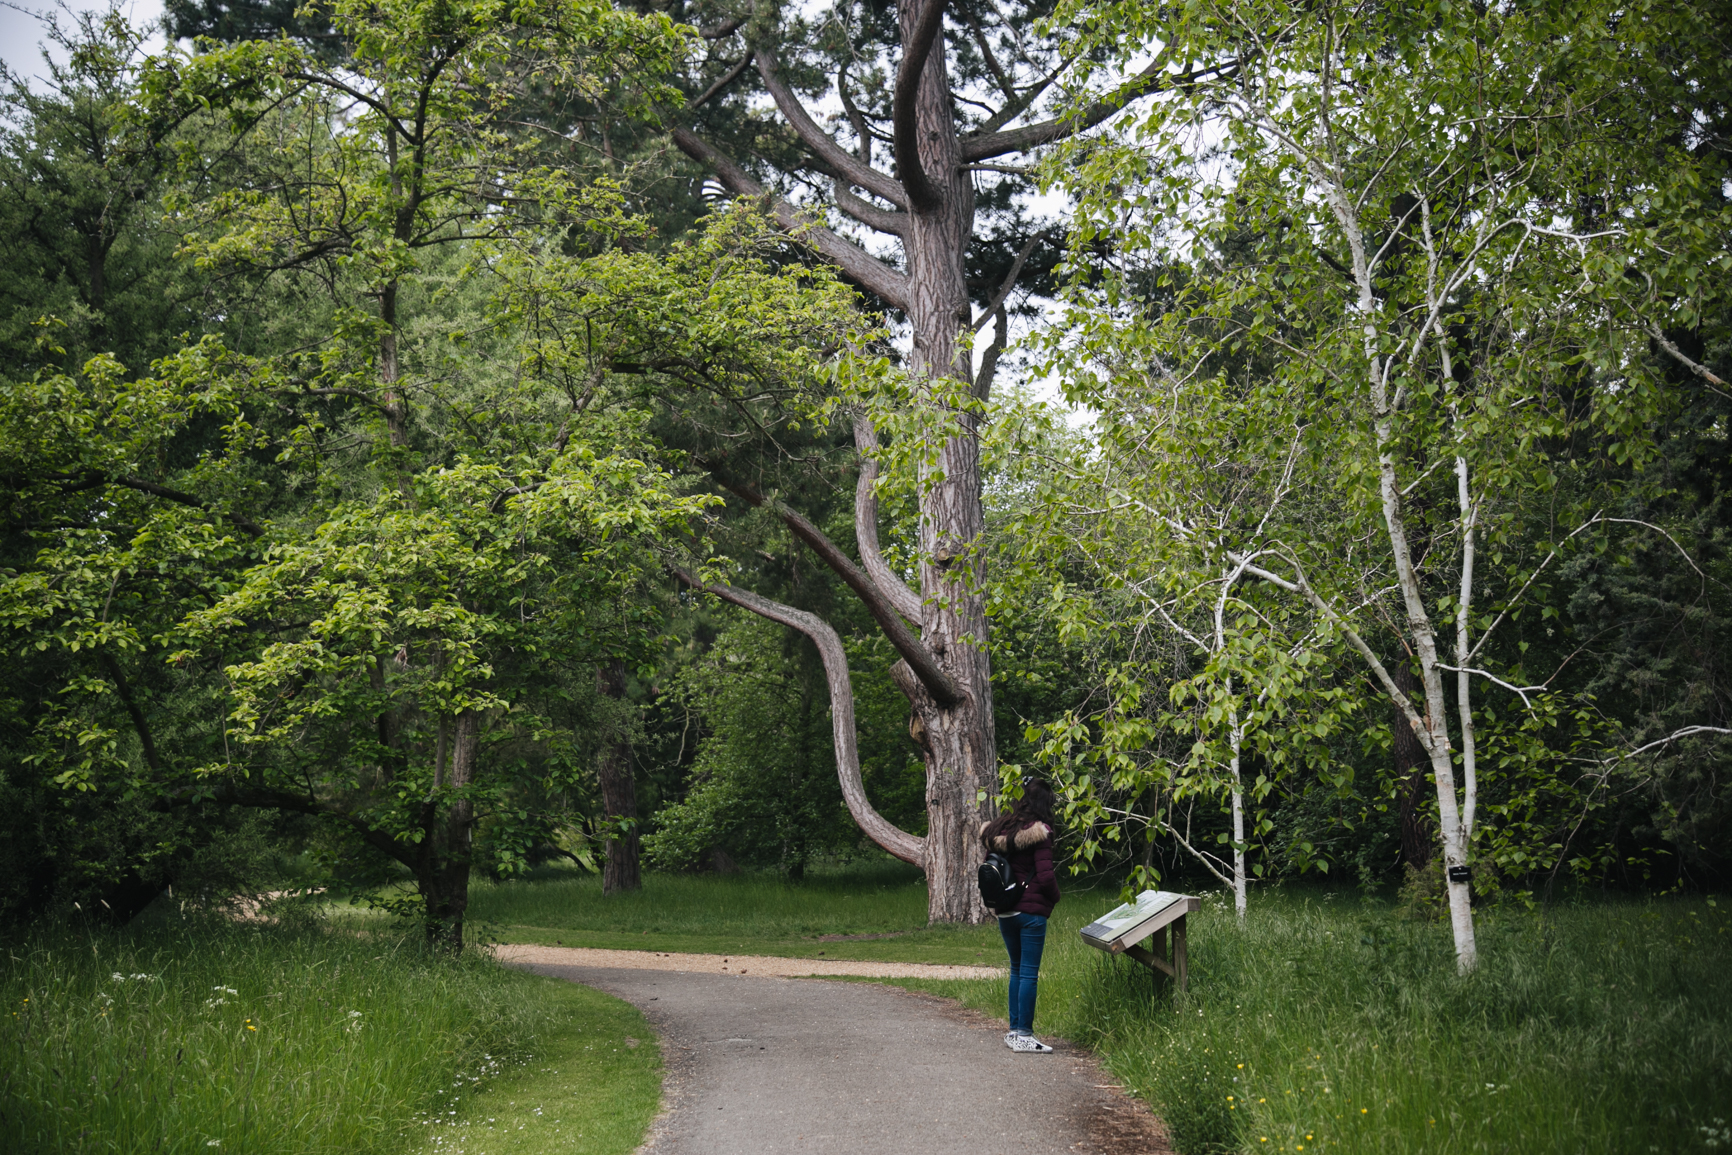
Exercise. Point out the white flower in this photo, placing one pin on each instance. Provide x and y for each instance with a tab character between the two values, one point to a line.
213	1142
118	977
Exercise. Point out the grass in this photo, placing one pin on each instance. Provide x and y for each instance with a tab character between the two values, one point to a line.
1326	1024
591	1088
196	1036
734	914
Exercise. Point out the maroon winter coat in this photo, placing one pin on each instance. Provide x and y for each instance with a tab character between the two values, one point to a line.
1029	849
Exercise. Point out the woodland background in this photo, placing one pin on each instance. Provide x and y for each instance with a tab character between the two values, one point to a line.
366	373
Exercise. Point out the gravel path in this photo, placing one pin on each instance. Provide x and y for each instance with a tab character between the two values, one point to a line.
783	1066
762	966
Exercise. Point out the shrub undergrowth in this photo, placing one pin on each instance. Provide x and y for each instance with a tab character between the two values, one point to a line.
199	1036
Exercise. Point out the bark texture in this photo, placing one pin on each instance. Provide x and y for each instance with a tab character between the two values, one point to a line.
622	869
442	866
959	744
1418	838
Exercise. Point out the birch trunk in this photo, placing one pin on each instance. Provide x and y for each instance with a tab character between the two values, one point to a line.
1434	735
1238	739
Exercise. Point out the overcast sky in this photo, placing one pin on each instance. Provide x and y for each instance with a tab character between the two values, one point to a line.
21	27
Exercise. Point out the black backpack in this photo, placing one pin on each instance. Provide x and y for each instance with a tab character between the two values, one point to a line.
999	889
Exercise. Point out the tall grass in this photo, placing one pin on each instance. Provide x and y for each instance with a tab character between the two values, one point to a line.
200	1036
1329	1025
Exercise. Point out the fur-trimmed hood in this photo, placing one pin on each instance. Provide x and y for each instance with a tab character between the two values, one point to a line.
1028	837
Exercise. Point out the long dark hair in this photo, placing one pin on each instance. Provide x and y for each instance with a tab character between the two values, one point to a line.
1035	805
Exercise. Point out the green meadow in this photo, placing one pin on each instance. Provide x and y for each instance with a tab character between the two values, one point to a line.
746	913
204	1037
1326	1022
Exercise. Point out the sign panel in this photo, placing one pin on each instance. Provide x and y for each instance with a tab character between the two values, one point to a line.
1135	921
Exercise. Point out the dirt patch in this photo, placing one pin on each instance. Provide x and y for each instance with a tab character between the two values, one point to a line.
751	966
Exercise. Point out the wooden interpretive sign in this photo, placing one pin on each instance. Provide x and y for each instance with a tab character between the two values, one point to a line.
1150	916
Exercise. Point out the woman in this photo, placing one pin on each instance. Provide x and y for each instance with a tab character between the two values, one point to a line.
1025	836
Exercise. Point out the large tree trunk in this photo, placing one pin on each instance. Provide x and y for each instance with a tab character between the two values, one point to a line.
622	869
442	869
957	741
946	672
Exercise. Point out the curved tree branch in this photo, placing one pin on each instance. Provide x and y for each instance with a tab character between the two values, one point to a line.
1005	85
1152	79
1005	289
856	263
142	486
906	601
842	162
868	214
989	360
273	798
938	683
724	29
921	195
124	689
908	847
723	81
1678	355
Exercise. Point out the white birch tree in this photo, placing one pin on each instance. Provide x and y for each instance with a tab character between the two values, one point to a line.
1426	224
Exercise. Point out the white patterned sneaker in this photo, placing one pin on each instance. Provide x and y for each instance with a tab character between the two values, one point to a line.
1030	1045
1010	1039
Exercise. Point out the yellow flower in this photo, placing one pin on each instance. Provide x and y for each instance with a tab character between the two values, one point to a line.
1362	1110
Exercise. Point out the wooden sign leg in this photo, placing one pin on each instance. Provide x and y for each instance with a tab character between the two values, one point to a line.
1158	943
1181	957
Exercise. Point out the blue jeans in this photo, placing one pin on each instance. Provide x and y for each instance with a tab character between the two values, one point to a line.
1025	939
